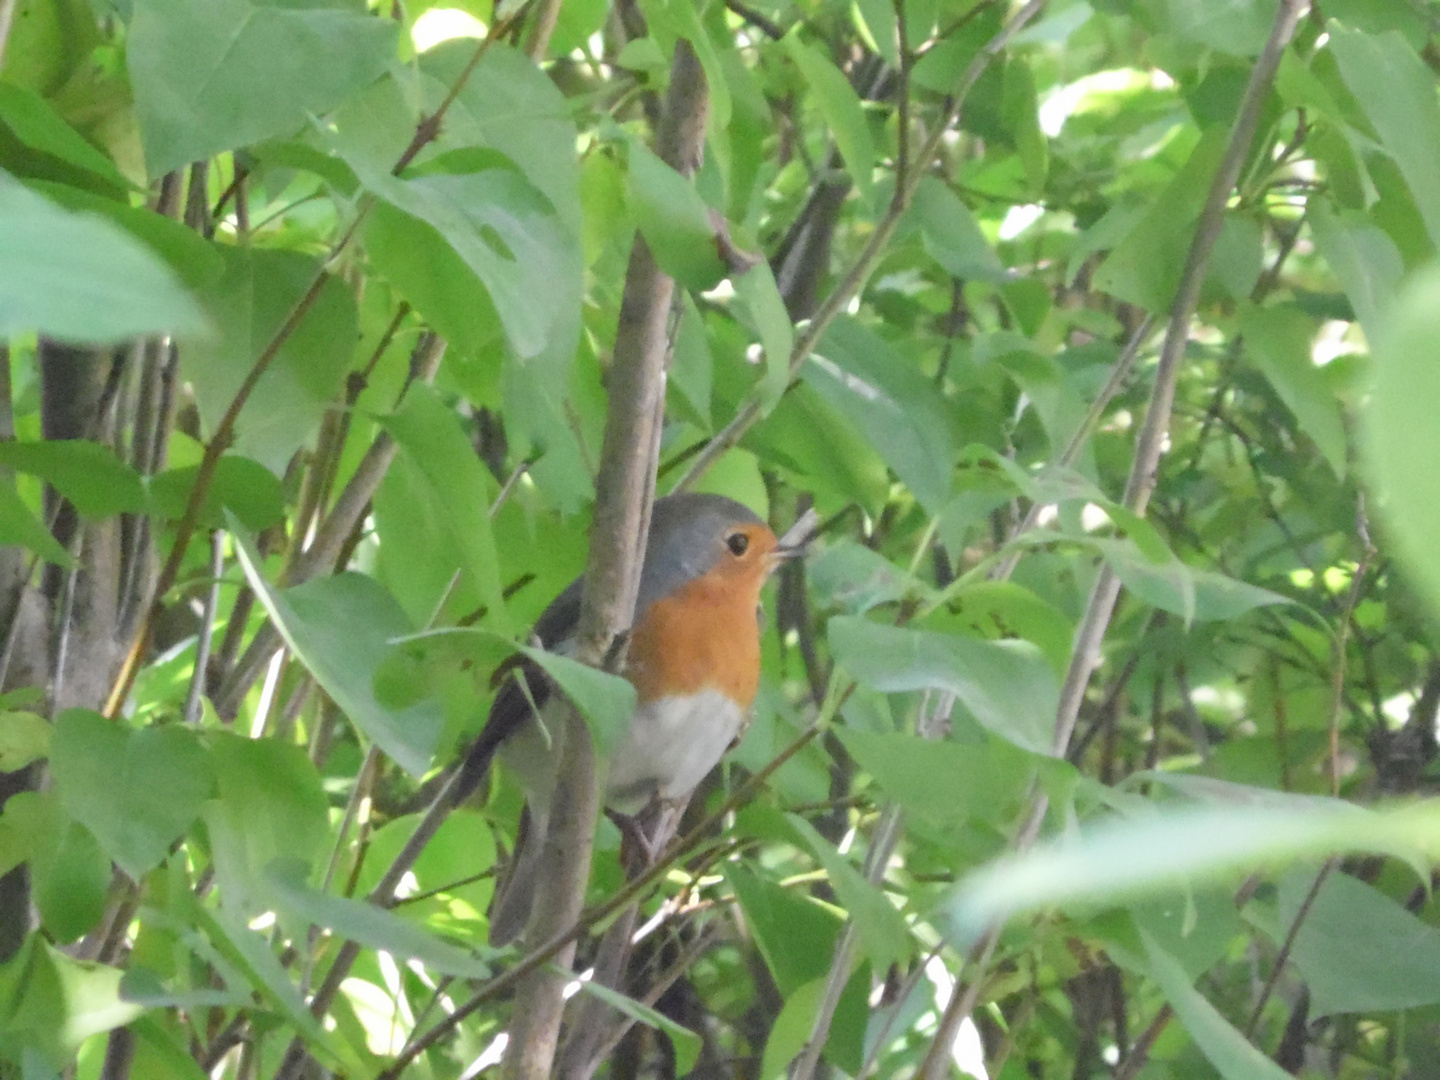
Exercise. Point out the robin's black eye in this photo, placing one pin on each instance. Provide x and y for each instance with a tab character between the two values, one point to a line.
737	542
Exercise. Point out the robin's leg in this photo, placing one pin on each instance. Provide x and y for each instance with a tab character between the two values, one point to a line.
646	835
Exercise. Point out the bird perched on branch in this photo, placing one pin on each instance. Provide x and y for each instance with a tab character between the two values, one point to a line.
693	657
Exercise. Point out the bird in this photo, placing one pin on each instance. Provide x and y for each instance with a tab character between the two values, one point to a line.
694	660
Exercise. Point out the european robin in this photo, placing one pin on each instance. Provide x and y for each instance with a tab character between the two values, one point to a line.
693	658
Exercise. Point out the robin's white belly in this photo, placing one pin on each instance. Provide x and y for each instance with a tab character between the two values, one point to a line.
670	747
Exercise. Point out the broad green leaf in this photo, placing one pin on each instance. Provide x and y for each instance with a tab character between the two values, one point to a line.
430	435
673	219
371	926
510	104
270	806
340	628
792	1028
506	235
1401	438
1279	341
80	278
606	701
1345	972
196	261
885	397
257	293
795	935
241	486
841	110
686	1042
50	1004
19	526
1144	268
49	41
87	473
757	291
951	234
28	823
40	129
1239	27
1193	594
462	847
213	75
1229	1051
70	881
137	791
1363	257
855	578
945	783
692	367
1397	94
1121	860
882	929
1007	685
24	737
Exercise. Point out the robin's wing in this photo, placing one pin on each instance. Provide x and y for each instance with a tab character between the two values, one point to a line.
524	690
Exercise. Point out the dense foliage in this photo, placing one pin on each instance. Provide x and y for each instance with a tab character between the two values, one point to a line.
1099	335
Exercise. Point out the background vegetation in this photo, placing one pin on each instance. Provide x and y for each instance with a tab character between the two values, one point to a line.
1101	337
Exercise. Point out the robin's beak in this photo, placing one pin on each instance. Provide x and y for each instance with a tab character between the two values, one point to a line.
796	541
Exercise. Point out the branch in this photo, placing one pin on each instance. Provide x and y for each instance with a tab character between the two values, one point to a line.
1085	656
624	492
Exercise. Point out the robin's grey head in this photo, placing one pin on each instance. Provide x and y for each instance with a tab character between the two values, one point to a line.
689	536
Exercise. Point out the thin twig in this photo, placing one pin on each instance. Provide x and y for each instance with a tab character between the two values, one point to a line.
1288	944
207	629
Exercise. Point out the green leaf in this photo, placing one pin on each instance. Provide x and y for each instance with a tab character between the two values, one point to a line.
883	395
340	628
686	1042
1229	1051
506	235
245	488
1120	860
882	929
87	473
757	291
258	291
1401	437
50	1004
1145	266
606	701
1007	685
19	526
1279	344
213	75
1363	257
1195	595
24	737
1397	94
371	926
951	234
945	783
271	806
37	126
70	881
841	110
80	278
795	935
430	435
673	219
1345	976
137	791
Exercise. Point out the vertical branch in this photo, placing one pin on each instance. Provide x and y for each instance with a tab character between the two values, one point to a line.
1085	655
625	489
